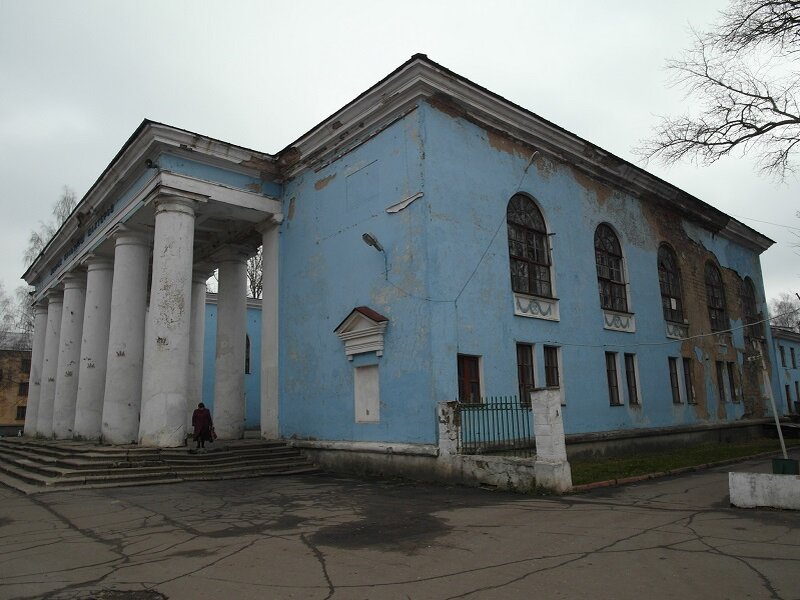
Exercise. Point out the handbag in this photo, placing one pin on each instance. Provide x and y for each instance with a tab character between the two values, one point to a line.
213	434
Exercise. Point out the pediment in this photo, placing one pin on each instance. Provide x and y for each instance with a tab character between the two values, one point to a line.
362	331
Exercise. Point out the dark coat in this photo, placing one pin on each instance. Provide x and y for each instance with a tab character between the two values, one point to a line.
202	423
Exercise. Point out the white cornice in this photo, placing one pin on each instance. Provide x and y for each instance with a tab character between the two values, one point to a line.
148	142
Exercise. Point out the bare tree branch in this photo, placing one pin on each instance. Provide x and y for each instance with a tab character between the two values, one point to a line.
741	81
254	275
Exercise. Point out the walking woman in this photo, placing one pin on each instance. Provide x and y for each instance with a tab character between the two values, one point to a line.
203	425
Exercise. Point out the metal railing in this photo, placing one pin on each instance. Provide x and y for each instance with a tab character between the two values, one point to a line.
496	425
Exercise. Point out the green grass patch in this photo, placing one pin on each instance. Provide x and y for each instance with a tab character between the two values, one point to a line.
603	469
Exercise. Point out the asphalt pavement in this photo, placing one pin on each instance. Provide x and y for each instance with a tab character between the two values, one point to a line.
322	536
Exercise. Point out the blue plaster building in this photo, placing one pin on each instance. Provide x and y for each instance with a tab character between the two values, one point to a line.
787	356
430	241
511	254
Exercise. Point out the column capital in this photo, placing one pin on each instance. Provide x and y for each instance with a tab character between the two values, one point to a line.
128	235
97	262
55	296
176	203
274	220
40	308
74	279
233	253
201	276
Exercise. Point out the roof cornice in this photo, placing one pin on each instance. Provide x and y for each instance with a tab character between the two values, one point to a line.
149	141
420	78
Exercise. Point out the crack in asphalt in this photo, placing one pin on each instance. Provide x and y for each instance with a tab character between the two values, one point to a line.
206	524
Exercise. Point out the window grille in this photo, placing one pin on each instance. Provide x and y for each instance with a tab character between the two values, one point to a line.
715	297
610	272
611	376
528	248
525	377
669	278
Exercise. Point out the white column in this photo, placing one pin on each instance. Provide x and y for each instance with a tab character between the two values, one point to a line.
123	385
269	328
94	348
166	350
44	418
35	379
229	408
196	343
69	355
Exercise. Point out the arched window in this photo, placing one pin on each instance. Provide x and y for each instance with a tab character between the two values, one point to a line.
610	271
747	294
669	277
528	250
715	297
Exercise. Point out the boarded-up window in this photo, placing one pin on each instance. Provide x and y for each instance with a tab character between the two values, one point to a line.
367	394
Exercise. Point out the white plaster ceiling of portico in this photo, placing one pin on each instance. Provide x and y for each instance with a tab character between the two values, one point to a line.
225	215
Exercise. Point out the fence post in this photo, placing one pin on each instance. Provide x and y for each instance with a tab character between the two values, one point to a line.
448	428
551	468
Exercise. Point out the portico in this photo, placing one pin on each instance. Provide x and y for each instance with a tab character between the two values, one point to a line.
120	292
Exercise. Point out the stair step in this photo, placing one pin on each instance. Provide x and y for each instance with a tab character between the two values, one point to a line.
42	465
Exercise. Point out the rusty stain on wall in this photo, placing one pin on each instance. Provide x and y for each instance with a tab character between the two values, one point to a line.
322	183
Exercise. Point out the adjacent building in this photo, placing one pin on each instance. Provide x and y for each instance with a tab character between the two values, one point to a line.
430	241
787	356
15	368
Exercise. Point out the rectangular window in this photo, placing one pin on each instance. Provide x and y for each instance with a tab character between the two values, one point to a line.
688	380
673	380
613	381
721	380
25	367
630	379
797	392
469	379
552	376
732	382
367	394
783	356
23	389
525	373
794	359
788	397
21	413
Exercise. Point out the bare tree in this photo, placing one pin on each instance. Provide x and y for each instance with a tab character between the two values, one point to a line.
785	311
24	308
742	78
39	238
8	312
255	276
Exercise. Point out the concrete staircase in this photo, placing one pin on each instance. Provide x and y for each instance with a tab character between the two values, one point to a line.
33	466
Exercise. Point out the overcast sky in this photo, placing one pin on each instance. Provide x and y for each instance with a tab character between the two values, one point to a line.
77	77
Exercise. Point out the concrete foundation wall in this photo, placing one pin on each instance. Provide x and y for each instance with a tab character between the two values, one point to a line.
420	463
627	443
751	490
